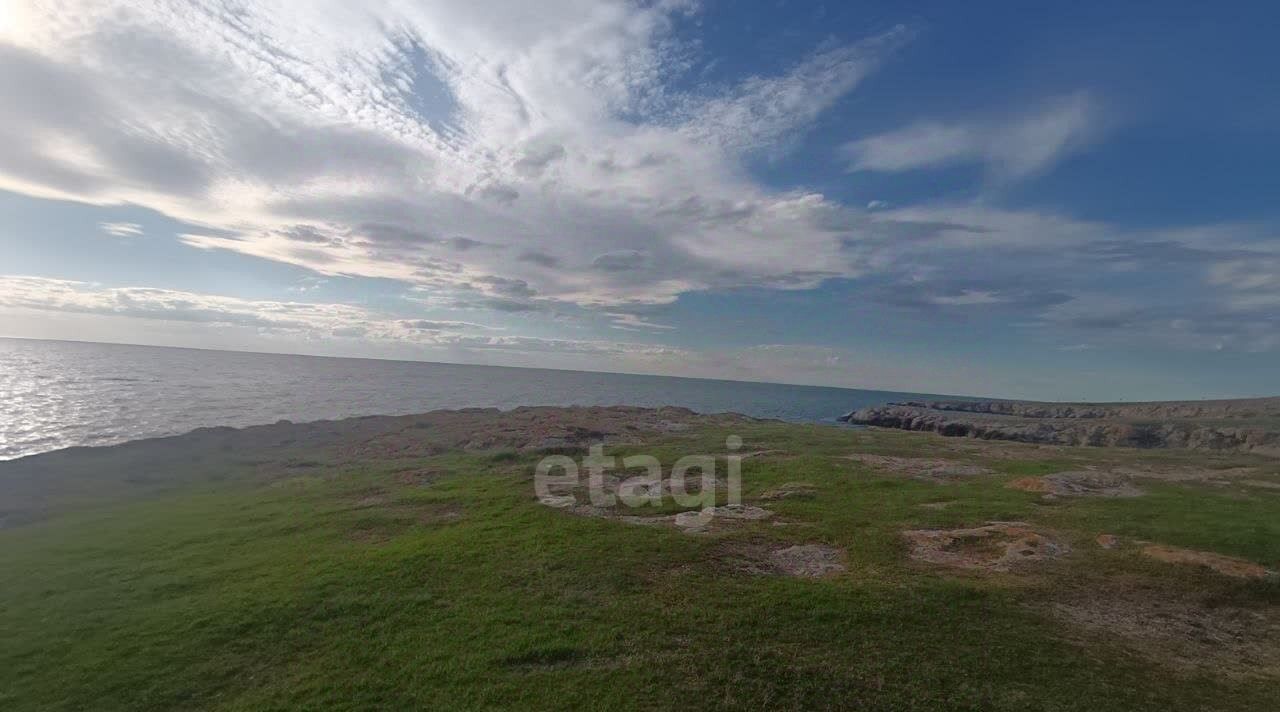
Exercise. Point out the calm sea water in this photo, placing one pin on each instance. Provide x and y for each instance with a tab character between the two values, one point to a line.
58	394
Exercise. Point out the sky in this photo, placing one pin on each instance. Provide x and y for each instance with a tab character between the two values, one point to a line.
1067	201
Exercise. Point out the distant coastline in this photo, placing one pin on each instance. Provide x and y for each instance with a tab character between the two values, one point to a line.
1236	425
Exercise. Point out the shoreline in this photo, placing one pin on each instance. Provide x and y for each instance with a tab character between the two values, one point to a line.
1250	425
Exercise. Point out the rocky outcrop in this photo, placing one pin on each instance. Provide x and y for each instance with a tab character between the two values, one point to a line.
1240	426
1243	408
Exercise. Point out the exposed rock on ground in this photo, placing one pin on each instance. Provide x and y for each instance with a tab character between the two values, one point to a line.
997	546
1241	408
924	468
1243	426
719	518
809	560
1084	483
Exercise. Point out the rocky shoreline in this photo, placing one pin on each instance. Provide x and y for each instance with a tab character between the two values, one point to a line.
1247	425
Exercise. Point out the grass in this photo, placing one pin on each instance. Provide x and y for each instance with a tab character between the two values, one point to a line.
350	588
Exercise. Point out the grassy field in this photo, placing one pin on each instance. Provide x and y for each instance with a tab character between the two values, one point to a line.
440	582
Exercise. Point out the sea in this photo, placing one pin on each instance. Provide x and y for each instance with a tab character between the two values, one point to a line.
58	394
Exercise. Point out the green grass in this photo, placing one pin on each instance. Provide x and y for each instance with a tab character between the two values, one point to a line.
347	589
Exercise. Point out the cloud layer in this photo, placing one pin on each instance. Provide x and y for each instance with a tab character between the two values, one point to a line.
1016	147
565	158
429	143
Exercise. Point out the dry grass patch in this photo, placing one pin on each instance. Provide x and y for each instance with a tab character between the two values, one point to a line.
1176	629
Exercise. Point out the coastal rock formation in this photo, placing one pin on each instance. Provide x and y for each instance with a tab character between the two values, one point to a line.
1251	425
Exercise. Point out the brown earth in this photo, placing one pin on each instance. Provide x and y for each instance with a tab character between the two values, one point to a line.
791	490
1177	629
996	546
1225	565
1084	483
801	560
924	468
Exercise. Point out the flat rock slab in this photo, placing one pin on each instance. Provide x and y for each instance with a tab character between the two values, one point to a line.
996	546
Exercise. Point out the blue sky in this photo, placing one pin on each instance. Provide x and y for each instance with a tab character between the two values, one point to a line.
1058	201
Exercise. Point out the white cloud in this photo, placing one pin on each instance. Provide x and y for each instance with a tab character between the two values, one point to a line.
633	322
266	318
968	297
1254	275
526	158
433	143
121	229
1010	147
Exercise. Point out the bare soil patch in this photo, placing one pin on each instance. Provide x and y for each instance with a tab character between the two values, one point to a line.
708	520
1079	483
420	477
713	519
1225	565
1177	630
800	560
923	468
997	546
791	490
809	560
370	497
1182	474
937	505
764	453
